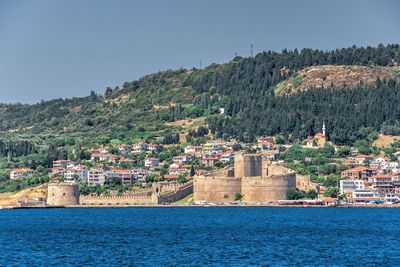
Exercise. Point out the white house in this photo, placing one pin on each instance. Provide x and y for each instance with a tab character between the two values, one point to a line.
364	196
182	159
125	176
347	186
139	147
378	162
23	173
151	162
155	147
193	149
226	158
96	177
125	148
78	173
139	174
175	169
63	163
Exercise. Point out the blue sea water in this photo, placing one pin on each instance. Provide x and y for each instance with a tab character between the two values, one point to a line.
200	237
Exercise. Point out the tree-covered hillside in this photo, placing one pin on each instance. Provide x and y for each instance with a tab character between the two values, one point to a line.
243	87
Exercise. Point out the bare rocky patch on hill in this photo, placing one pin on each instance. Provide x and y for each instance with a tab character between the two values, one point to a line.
335	77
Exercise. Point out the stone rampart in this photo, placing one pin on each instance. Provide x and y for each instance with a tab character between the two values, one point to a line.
119	200
178	191
216	189
267	189
181	192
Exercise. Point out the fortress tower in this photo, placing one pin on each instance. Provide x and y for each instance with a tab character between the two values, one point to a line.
62	194
248	165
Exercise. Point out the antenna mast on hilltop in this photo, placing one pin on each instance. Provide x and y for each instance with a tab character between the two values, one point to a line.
200	64
251	49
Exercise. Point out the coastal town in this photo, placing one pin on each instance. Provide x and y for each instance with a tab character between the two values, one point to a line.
324	174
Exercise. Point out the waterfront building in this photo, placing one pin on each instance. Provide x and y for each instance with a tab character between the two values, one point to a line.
364	196
347	186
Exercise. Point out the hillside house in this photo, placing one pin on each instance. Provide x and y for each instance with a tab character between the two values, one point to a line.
212	147
182	159
57	171
125	176
318	140
209	160
63	163
75	174
271	154
358	173
139	174
193	149
382	183
19	174
265	143
103	149
170	177
139	147
226	158
126	160
362	159
124	148
96	177
151	162
348	186
155	147
175	169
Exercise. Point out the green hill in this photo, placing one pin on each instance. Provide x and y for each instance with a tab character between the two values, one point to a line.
247	90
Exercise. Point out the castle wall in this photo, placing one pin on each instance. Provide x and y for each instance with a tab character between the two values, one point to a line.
62	194
216	189
267	189
182	192
122	200
147	198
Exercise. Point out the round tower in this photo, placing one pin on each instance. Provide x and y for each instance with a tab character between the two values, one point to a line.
62	194
267	189
248	165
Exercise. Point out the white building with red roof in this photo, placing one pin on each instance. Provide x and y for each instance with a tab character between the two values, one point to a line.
151	162
193	149
22	173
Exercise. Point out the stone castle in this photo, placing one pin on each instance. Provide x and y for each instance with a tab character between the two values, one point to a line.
255	179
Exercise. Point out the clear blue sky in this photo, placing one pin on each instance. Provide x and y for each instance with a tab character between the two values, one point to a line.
52	48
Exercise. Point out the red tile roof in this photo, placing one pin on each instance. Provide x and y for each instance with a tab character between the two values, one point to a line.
170	176
359	168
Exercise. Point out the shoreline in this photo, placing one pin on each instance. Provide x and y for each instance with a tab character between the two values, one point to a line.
204	206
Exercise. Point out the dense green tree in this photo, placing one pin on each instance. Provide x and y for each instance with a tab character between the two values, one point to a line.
332	192
294	194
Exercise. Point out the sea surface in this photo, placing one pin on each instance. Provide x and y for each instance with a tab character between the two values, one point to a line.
209	236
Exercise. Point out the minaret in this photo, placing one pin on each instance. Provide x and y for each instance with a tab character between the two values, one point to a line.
323	128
